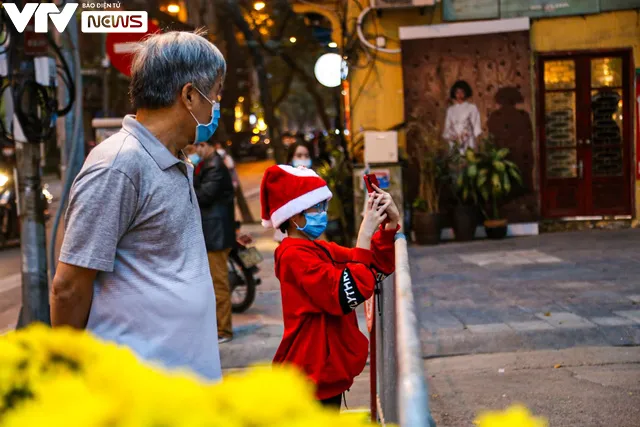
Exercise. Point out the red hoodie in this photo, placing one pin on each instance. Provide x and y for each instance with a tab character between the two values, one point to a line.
322	283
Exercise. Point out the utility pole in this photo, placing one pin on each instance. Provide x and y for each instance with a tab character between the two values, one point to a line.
30	113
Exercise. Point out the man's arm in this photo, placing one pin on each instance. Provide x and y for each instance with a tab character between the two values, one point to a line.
71	295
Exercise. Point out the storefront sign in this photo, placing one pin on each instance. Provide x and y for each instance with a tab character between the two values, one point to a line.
466	10
544	8
607	5
638	124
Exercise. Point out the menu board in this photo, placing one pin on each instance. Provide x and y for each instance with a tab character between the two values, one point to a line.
545	8
467	10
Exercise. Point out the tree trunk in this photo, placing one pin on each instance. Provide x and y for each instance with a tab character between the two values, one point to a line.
263	81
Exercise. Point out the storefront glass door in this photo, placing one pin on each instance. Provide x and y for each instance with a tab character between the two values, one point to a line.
585	128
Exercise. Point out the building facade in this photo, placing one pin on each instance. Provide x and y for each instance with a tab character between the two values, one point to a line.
555	86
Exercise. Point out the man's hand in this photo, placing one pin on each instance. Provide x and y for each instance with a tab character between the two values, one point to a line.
244	239
392	210
71	296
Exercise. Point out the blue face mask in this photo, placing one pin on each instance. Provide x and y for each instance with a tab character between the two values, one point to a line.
194	158
204	132
316	224
301	162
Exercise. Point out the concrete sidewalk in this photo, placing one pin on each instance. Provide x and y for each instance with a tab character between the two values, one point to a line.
579	387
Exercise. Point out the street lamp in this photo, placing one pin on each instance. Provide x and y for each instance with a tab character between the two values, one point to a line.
259	5
173	8
330	69
333	44
293	39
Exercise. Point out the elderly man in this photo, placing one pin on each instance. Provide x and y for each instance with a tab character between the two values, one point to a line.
133	266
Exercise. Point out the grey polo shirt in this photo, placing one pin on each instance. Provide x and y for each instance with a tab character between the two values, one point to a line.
133	216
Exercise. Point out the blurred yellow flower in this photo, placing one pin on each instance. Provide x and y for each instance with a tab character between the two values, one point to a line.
515	416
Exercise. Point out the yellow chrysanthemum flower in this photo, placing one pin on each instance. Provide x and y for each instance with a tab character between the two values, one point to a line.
515	416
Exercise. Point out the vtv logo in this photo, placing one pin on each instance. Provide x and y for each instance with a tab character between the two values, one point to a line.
42	11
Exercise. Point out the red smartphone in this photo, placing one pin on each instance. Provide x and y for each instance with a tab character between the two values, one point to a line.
370	180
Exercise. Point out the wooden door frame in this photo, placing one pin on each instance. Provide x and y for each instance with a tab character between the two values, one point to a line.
628	111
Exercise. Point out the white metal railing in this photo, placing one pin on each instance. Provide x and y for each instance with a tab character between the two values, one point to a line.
401	384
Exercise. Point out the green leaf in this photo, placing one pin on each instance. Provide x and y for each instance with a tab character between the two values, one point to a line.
506	183
470	155
485	194
515	175
482	179
498	165
510	164
495	180
472	171
502	153
465	194
460	180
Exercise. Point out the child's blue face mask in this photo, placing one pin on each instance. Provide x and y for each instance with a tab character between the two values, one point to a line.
316	221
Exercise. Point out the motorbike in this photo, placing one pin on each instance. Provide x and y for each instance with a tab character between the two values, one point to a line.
9	221
243	269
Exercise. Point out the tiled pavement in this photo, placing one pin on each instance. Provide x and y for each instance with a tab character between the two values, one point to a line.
548	291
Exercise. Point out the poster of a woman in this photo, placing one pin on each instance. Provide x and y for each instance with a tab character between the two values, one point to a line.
463	124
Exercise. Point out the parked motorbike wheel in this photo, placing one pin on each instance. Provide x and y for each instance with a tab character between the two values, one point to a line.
243	287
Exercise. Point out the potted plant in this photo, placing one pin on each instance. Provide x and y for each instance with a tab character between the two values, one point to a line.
465	213
428	150
495	180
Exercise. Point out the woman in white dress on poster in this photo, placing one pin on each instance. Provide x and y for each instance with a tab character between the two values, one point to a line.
463	124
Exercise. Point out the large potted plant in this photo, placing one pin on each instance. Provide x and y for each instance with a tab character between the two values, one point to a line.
495	180
464	169
428	151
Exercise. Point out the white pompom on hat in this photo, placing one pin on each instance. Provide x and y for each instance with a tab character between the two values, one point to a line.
286	191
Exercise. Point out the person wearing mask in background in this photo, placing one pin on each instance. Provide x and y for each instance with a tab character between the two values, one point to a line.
322	283
133	264
228	162
299	154
192	155
215	193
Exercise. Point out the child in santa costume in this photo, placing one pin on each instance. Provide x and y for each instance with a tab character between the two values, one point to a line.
322	283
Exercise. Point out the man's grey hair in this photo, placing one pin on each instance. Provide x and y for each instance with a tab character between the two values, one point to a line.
164	63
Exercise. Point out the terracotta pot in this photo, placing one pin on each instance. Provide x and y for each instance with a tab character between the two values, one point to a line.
496	228
426	227
465	221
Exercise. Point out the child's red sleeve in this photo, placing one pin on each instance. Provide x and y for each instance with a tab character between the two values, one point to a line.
383	248
381	257
335	290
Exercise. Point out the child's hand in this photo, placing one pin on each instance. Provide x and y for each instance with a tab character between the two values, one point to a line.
374	214
392	210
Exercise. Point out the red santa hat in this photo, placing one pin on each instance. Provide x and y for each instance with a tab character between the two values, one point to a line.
286	191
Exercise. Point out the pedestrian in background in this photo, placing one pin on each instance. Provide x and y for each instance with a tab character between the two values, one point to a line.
133	265
299	155
228	162
322	283
215	192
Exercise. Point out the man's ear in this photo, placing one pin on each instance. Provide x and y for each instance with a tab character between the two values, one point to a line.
187	95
